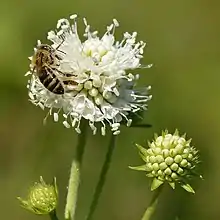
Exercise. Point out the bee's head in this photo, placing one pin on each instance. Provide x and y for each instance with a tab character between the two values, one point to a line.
44	47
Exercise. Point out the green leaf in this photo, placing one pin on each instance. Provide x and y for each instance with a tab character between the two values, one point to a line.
139	168
156	183
172	184
188	188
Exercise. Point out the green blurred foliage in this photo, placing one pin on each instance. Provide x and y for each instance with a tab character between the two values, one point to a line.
183	44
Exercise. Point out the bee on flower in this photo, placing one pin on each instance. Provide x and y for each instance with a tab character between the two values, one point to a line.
98	86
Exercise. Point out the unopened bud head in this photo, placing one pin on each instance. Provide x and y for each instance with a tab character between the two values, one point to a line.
42	198
171	158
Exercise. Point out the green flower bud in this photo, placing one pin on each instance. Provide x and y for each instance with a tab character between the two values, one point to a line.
174	167
163	166
169	158
169	161
168	171
178	158
159	158
155	166
42	198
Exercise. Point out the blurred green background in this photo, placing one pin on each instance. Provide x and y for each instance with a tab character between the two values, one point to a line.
183	44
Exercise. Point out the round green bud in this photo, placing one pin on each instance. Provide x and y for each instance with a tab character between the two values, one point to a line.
190	157
178	158
186	151
170	157
183	163
154	173
174	167
166	152
150	152
174	176
181	141
152	159
169	161
149	167
88	85
42	198
189	165
179	148
160	173
157	150
163	166
180	171
173	152
168	171
155	166
185	156
159	158
152	145
168	136
158	141
166	143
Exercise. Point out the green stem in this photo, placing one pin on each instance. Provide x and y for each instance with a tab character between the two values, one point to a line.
102	177
53	215
153	204
74	180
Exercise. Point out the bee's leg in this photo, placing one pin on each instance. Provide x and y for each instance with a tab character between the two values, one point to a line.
60	44
57	48
66	76
57	73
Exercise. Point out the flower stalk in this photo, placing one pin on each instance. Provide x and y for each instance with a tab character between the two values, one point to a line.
153	204
53	215
102	177
74	180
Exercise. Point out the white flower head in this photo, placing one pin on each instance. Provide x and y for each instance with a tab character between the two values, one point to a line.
104	90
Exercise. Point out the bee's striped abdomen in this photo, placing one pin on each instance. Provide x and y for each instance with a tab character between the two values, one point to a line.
50	81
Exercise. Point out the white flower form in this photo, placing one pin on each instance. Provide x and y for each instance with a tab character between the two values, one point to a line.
104	90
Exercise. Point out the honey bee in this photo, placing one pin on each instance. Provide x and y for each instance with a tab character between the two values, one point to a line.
45	63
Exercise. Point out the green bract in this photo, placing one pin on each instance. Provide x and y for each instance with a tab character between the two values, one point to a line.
42	198
169	158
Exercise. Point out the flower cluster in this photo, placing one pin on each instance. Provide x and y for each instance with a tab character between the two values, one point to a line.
169	158
104	89
42	198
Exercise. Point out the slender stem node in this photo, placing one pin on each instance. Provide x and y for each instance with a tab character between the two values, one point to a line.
102	177
74	180
153	204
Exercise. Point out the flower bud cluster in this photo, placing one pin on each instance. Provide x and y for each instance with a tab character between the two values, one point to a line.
169	158
42	198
